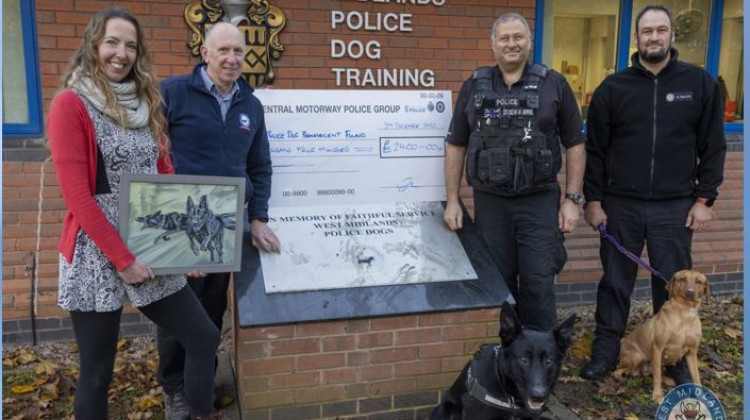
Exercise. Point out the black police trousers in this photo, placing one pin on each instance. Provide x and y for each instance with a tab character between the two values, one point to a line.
660	225
523	238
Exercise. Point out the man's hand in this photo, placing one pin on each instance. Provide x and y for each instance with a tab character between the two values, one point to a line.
195	274
699	216
263	237
136	273
454	216
568	216
594	214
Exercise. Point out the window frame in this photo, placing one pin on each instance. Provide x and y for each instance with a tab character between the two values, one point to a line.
713	46
35	126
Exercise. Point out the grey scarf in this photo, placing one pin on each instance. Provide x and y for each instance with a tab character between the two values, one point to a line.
136	111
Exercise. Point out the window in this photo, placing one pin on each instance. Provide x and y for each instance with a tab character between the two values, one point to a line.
588	40
580	41
21	93
730	61
692	19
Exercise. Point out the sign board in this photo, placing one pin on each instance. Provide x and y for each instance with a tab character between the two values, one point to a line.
356	146
363	245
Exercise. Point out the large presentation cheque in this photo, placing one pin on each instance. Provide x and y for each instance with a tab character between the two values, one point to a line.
356	146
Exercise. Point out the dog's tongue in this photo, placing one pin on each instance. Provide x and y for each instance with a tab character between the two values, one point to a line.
535	405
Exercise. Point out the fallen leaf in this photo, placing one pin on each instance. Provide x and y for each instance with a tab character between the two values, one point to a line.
45	368
49	391
147	401
224	401
733	333
25	357
121	344
23	389
9	363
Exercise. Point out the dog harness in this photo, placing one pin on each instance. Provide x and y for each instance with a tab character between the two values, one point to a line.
483	383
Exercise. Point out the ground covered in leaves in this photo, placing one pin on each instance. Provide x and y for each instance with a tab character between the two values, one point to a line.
720	362
39	382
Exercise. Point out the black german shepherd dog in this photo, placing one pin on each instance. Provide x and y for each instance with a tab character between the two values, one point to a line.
511	380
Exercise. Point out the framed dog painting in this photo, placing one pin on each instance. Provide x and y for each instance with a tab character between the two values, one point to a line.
180	223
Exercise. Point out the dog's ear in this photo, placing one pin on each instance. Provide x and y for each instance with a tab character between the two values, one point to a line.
190	203
670	284
158	212
564	332
708	293
510	326
204	201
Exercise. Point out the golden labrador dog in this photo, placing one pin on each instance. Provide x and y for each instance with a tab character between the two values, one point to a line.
673	333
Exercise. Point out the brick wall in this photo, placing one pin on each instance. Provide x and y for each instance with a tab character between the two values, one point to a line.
380	368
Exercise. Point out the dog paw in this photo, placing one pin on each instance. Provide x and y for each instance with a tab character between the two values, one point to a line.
618	374
657	397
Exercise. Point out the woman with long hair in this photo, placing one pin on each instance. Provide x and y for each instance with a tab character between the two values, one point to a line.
106	121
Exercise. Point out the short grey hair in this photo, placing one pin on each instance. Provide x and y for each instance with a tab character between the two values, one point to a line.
217	26
507	17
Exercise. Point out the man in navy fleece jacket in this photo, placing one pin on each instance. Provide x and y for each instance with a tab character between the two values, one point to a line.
217	128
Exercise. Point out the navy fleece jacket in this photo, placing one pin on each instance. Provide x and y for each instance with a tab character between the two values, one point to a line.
204	144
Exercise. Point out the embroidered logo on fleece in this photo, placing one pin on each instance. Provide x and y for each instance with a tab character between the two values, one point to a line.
244	122
680	97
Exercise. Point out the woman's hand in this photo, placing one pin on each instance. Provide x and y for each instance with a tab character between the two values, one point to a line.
136	273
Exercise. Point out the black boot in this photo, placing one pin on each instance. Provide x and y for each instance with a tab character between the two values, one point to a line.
597	368
603	360
679	373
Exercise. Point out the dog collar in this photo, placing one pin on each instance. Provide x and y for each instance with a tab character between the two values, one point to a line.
479	392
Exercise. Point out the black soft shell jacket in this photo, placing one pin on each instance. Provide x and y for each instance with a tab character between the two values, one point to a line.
655	137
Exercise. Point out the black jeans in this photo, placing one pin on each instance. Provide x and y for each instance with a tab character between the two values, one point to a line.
527	246
212	294
660	225
97	332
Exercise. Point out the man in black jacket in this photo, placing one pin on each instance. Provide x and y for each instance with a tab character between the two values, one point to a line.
655	158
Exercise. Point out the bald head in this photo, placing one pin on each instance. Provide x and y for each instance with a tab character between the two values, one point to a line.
223	51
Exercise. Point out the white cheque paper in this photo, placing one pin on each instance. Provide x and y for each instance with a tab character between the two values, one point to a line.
356	146
363	245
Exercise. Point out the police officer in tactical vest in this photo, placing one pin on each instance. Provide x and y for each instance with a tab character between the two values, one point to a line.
507	126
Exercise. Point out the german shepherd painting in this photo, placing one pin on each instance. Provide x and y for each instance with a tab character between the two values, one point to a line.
510	380
204	229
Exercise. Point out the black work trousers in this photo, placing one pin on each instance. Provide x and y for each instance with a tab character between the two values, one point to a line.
660	225
523	237
97	332
211	291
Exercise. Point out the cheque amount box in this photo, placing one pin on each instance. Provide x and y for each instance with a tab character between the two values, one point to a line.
399	147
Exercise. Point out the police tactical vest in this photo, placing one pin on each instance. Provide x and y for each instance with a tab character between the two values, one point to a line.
507	153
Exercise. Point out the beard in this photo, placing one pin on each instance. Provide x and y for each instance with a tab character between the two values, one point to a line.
653	57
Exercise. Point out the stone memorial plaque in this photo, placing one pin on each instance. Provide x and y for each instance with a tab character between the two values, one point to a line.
334	247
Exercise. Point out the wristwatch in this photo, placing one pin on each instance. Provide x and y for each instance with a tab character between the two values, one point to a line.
575	197
262	219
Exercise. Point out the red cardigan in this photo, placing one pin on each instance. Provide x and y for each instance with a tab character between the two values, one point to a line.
72	140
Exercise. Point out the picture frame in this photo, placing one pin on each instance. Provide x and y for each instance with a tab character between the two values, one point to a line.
179	223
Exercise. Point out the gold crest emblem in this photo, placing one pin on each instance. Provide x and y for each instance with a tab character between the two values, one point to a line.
258	20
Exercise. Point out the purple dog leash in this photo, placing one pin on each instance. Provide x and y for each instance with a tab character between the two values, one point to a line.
638	260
